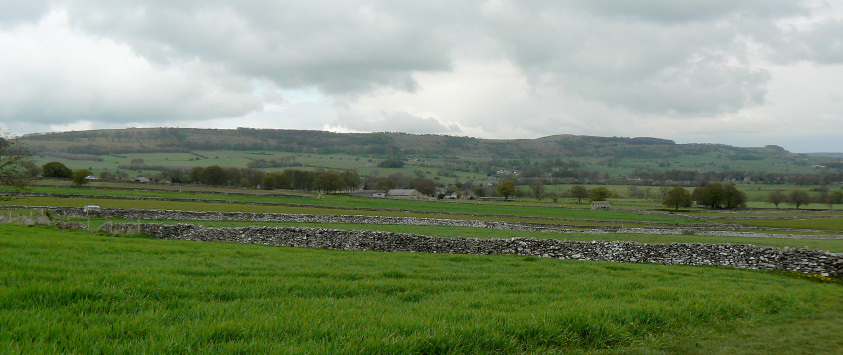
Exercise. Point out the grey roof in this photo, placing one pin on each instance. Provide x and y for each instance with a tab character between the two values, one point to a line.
401	192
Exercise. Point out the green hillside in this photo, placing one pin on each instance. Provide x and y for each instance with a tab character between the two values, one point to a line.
560	156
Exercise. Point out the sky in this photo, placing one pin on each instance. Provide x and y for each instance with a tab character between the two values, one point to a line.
744	73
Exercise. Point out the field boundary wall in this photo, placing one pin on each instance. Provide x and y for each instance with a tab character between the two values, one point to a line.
742	256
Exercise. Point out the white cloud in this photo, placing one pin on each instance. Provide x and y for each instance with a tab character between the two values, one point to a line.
53	75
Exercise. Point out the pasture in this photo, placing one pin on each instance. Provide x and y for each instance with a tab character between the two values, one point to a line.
82	291
73	291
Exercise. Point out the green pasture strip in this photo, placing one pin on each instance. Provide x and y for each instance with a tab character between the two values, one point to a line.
170	187
609	216
808	206
515	208
226	207
828	224
766	213
77	292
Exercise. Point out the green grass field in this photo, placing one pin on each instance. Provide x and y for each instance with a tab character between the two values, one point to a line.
76	292
416	208
829	224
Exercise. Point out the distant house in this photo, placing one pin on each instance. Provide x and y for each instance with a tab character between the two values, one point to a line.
405	194
601	205
143	179
91	177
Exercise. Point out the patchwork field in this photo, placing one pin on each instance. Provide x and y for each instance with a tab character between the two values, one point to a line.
84	291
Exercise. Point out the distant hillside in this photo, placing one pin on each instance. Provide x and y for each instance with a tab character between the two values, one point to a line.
830	155
143	140
576	158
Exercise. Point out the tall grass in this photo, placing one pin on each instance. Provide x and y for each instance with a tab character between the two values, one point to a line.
74	292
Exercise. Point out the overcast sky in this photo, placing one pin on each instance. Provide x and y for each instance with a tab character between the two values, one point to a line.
744	73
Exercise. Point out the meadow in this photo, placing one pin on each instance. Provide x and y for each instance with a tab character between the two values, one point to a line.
79	292
76	291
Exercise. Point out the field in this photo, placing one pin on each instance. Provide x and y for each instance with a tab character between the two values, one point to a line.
77	291
66	291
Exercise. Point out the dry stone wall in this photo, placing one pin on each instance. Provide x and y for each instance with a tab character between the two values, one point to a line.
149	214
742	256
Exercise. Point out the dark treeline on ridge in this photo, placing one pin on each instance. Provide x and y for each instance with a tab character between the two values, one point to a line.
99	142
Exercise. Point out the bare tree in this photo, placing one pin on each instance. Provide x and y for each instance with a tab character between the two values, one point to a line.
14	160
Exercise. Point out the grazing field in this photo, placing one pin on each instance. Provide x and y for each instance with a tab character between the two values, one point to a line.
83	292
335	204
829	223
74	291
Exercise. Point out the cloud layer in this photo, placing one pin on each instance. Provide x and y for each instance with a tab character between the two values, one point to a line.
694	71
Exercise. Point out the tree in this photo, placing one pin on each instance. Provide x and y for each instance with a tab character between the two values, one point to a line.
776	197
717	195
600	193
213	175
537	187
350	179
710	195
80	177
55	169
195	174
732	197
423	185
578	192
328	182
14	167
677	197
391	163
834	198
506	188
106	176
798	198
268	182
385	185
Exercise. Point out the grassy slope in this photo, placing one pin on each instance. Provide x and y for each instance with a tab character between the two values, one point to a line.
76	292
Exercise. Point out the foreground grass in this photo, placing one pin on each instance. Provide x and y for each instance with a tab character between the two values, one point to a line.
77	292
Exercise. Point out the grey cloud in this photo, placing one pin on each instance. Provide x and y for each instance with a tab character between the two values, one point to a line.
673	12
688	68
53	76
336	46
609	51
819	43
696	58
21	11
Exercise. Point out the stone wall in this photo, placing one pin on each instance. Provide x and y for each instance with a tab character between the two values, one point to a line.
149	214
742	256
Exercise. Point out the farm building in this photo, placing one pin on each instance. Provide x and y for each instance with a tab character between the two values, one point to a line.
601	205
405	194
